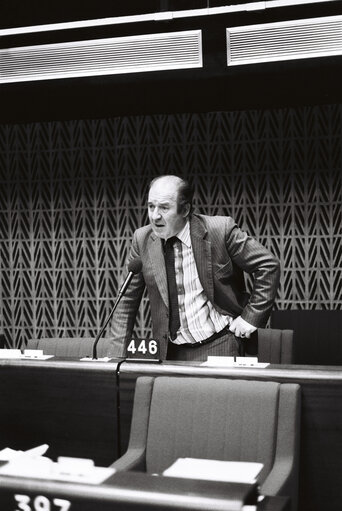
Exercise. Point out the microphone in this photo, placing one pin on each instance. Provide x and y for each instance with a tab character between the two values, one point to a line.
134	267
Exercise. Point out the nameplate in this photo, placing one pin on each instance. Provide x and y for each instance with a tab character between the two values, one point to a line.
140	349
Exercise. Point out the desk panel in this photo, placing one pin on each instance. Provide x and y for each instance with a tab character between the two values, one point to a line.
69	405
133	491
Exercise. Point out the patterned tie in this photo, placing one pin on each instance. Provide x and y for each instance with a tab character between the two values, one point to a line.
174	321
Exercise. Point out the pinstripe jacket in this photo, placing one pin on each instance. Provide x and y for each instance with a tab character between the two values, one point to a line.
222	252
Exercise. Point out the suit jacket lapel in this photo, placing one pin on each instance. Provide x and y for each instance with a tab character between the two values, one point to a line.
158	264
202	254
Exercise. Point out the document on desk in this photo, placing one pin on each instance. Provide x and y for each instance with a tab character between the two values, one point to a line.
6	353
214	470
29	464
8	454
217	361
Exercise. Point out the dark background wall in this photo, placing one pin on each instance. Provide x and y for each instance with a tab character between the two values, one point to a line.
72	193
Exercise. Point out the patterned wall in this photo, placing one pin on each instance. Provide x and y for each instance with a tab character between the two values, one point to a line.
72	193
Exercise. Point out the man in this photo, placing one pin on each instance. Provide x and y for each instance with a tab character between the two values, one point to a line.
192	267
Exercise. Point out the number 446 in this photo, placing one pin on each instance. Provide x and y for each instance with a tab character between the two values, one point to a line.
144	347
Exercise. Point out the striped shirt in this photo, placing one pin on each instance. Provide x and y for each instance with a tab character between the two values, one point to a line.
198	317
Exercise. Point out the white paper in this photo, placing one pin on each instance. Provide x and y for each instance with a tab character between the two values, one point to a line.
88	359
221	361
32	355
36	357
40	467
10	353
214	470
218	361
8	454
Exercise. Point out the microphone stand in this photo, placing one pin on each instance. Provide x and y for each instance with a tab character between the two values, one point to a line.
122	291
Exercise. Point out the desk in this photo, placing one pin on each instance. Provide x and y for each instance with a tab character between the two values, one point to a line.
128	491
71	405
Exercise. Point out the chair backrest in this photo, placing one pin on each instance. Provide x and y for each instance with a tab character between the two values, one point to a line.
69	346
318	334
233	420
275	346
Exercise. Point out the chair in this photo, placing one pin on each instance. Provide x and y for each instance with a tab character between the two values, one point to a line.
275	346
232	420
69	346
318	334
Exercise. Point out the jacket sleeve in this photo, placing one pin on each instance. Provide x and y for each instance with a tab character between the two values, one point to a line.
124	317
255	259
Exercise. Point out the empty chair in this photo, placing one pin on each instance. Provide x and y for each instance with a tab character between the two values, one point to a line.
275	346
69	346
222	419
318	334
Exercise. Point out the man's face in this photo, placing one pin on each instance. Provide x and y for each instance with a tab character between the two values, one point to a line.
162	209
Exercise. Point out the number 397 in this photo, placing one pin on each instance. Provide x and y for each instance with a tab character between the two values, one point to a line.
40	503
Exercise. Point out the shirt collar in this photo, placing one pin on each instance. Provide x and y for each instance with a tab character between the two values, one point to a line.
184	235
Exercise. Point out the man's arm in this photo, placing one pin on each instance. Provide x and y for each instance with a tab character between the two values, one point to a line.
124	318
253	258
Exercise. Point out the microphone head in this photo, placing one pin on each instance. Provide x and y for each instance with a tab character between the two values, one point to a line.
135	266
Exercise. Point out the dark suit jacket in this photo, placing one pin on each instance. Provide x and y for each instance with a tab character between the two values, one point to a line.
222	253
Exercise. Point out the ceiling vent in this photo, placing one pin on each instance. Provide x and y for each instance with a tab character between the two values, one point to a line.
133	54
287	40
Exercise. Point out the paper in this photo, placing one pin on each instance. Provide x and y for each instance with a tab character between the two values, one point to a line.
36	357
33	353
219	361
213	361
8	454
88	359
28	354
27	464
214	470
10	353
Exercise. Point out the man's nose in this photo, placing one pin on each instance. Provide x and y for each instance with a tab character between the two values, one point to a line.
156	213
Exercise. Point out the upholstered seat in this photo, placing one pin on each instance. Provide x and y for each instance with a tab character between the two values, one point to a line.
275	346
69	346
222	419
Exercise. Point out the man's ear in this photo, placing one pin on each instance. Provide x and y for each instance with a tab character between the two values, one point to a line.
186	211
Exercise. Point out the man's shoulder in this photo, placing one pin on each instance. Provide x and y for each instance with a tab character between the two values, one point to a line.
215	222
142	234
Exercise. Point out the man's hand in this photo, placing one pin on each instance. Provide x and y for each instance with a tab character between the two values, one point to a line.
241	328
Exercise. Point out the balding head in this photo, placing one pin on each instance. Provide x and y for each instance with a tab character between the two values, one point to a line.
167	209
181	186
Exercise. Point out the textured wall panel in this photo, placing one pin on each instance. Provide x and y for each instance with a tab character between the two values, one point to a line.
72	193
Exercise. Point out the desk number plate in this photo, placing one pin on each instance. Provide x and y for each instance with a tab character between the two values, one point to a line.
143	349
40	503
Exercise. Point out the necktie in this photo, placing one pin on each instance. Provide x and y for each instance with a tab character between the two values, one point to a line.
174	321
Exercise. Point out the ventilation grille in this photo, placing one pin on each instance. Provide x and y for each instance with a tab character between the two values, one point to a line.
318	37
133	54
